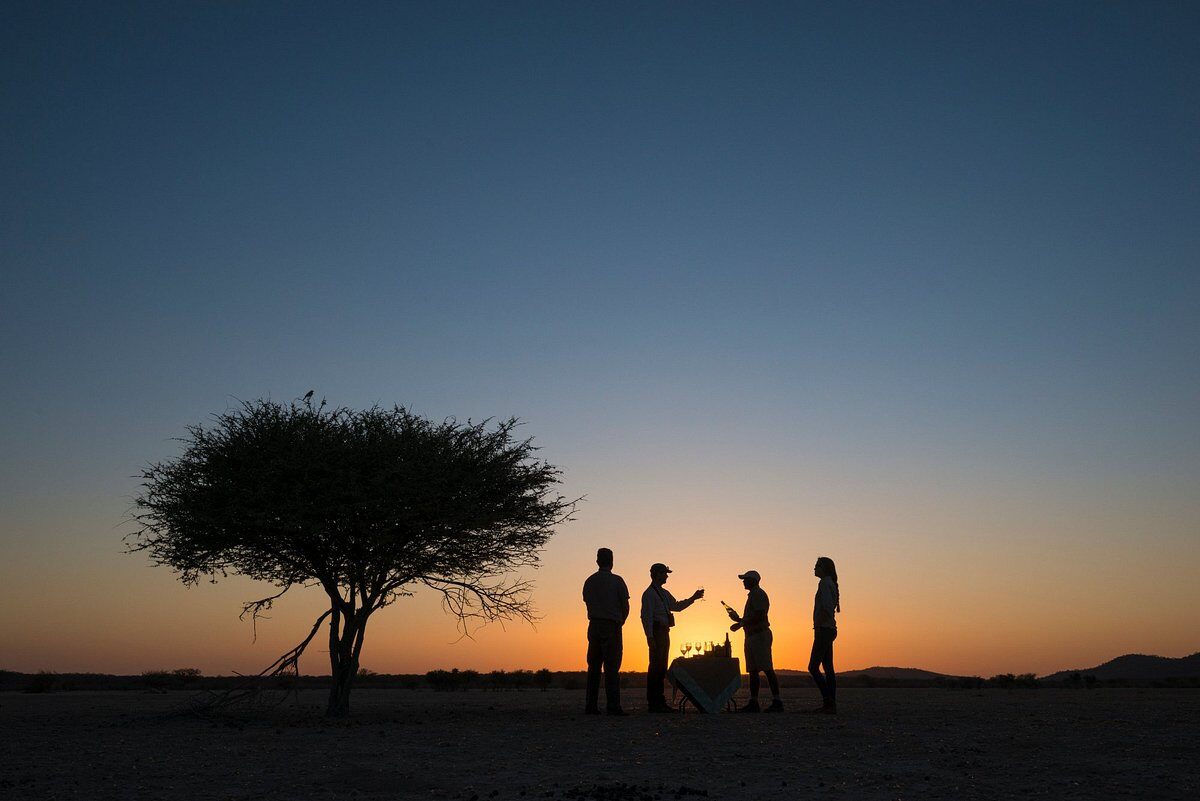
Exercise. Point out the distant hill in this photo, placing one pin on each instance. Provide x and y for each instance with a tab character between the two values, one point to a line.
1138	667
901	673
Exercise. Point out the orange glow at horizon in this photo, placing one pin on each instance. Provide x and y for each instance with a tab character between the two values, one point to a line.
966	605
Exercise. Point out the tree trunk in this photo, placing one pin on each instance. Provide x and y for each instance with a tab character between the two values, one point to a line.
345	644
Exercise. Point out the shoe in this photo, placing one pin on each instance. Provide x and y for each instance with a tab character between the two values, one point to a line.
752	706
776	706
661	710
591	710
829	708
617	712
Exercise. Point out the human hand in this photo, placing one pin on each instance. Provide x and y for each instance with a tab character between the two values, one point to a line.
735	627
732	614
698	594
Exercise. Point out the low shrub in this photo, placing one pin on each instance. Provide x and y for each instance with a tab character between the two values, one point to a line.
44	681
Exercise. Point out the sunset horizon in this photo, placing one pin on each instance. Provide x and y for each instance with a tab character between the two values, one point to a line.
353	339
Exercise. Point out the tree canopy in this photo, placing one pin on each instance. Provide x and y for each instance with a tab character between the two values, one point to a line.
369	504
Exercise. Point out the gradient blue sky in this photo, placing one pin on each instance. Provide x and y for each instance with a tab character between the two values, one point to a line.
914	284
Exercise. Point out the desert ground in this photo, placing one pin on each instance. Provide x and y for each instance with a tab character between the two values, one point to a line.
885	744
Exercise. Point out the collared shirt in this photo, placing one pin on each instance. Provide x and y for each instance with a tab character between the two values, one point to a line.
757	601
657	605
606	596
825	603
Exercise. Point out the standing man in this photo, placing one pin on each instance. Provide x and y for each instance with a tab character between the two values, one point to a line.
758	640
607	600
657	620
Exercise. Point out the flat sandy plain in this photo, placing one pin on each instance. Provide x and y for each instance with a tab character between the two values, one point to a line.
885	744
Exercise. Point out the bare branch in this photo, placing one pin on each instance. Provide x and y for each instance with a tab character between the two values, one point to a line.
256	609
477	601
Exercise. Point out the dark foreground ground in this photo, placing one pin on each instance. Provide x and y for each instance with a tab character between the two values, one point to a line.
886	744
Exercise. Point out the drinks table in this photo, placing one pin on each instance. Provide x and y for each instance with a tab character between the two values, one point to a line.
709	682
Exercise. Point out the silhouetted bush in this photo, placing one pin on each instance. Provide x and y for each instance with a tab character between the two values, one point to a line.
543	679
44	681
451	680
177	679
1008	681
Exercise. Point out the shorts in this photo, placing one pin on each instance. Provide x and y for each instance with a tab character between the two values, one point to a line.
758	651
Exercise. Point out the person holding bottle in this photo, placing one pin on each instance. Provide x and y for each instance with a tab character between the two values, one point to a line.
755	623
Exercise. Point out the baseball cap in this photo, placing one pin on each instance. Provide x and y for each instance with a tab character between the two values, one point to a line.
750	574
659	567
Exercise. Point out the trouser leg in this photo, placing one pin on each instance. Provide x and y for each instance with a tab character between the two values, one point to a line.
595	658
656	673
613	651
814	664
827	663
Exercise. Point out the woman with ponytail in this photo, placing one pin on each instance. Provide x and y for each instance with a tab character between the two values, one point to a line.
827	602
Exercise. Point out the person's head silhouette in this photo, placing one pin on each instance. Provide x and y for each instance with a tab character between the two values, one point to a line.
604	558
750	579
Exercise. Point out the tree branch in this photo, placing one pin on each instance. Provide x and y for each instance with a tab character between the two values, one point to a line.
256	609
482	602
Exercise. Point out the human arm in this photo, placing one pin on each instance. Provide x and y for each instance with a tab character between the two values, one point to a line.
648	618
679	606
734	616
753	617
825	603
755	613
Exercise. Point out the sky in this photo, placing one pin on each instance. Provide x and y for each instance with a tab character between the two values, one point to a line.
913	286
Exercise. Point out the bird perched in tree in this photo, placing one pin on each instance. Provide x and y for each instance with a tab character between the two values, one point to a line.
308	395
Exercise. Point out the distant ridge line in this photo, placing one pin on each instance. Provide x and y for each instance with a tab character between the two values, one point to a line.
1138	667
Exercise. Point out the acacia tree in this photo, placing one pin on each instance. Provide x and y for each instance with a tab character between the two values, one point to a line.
369	505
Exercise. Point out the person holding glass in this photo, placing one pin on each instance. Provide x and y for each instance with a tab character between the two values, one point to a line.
658	608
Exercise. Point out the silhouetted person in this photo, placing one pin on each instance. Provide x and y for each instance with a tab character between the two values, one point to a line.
755	622
607	600
658	607
827	601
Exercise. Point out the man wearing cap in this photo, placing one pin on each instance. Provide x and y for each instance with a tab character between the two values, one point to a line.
607	600
754	622
657	619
